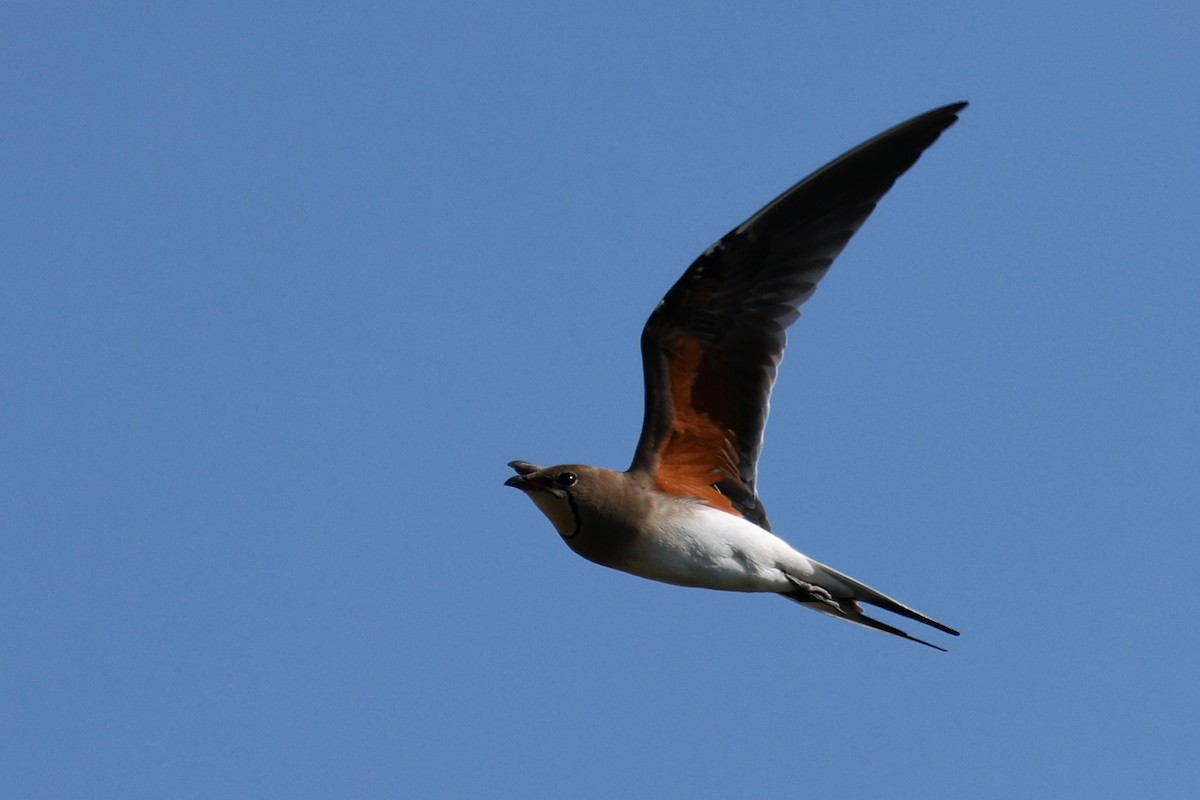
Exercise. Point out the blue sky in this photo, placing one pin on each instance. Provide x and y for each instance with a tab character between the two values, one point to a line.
285	288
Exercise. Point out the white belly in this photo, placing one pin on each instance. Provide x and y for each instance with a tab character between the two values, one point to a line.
711	549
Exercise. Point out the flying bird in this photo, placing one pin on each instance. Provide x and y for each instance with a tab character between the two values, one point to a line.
686	512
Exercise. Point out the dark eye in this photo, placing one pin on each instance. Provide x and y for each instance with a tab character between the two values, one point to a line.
566	479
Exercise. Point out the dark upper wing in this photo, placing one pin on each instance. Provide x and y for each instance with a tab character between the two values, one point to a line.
711	349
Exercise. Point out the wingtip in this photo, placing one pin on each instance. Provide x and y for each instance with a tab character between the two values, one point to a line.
944	116
953	109
933	623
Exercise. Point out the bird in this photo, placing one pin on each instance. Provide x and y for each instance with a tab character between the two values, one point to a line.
687	512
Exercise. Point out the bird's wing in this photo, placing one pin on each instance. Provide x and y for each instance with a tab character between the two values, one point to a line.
711	349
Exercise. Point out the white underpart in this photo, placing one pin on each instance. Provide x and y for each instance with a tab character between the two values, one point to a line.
712	549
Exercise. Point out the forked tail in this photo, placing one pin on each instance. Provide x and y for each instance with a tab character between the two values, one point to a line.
834	593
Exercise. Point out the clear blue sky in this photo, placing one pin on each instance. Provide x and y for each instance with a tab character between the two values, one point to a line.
284	289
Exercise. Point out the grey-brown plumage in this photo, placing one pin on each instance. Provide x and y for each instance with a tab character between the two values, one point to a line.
687	510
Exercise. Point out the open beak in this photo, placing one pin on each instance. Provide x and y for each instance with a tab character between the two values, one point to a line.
525	484
521	479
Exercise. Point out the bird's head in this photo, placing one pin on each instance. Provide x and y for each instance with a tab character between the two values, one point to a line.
570	495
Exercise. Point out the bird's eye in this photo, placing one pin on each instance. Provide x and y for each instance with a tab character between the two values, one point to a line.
567	479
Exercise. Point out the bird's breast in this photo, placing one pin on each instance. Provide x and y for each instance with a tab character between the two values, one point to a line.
695	545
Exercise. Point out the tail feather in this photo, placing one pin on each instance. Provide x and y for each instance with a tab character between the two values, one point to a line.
838	594
856	616
861	592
